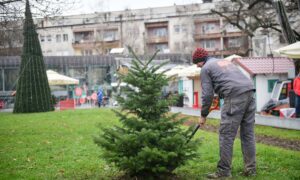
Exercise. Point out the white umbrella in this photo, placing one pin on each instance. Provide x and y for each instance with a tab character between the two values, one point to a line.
291	51
174	71
55	78
190	71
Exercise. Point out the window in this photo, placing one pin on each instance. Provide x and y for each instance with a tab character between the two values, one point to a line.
65	37
58	37
209	44
271	83
86	52
83	36
177	46
110	35
42	38
1	81
96	75
77	73
284	92
234	42
161	47
176	28
49	38
159	32
10	79
208	28
230	28
184	28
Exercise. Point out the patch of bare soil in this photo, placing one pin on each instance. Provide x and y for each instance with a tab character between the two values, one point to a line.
269	140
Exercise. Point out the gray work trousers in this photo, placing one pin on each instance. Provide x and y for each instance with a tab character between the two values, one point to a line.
238	111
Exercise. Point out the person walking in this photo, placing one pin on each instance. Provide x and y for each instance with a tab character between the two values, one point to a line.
225	79
99	97
296	85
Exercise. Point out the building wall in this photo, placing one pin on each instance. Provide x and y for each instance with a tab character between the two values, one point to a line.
50	43
131	25
181	34
134	35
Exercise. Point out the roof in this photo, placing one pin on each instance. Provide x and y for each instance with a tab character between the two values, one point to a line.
265	65
54	61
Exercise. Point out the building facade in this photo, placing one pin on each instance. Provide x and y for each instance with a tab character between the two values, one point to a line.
173	29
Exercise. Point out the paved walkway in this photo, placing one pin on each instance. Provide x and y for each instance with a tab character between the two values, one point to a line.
259	119
273	121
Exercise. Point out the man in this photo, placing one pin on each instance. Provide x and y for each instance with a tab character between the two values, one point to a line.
224	78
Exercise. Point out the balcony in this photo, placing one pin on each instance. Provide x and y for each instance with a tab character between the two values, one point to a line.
83	44
156	25
111	39
234	34
199	21
157	39
212	35
229	51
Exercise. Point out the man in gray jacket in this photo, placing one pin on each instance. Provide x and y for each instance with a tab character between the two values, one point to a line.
225	79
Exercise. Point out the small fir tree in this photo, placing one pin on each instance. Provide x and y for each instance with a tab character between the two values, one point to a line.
33	91
150	144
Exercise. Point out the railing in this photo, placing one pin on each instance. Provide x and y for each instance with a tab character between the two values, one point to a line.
153	40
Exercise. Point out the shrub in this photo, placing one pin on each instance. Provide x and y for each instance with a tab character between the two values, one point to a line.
150	144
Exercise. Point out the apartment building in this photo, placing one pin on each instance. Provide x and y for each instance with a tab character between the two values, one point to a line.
173	29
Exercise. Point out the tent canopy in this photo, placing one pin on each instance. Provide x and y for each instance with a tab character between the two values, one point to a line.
174	71
55	78
291	51
190	71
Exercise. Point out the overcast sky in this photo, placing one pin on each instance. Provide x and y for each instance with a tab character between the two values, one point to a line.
90	6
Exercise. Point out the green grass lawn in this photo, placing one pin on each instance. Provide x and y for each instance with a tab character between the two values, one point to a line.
262	130
59	145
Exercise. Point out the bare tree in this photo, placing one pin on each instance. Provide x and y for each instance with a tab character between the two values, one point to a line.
12	15
251	15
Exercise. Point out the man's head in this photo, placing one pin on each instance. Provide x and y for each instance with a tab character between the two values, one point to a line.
200	56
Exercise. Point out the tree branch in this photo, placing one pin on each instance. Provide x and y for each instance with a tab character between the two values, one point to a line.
257	2
231	21
7	2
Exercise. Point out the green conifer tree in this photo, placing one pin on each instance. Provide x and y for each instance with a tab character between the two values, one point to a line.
33	91
150	143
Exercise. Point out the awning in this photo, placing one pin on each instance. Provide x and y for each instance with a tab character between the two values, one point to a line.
55	78
116	50
115	84
291	51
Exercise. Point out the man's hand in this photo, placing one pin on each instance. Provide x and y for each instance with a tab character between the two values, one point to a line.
202	121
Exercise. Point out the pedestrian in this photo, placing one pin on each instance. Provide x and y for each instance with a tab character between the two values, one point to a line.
296	86
225	79
99	97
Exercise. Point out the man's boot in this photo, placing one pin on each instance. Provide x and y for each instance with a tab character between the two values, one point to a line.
219	175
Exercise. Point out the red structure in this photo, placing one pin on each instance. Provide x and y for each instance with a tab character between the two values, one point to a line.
196	101
67	104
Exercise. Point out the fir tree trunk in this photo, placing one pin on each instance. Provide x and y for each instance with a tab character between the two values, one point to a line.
33	91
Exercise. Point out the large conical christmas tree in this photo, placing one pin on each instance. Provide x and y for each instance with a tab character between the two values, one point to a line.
33	91
151	143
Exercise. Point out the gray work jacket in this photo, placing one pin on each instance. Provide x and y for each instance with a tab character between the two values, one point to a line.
224	78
